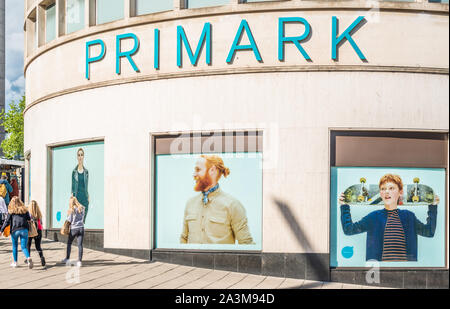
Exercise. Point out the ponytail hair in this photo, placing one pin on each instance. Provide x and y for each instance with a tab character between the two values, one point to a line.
74	204
213	160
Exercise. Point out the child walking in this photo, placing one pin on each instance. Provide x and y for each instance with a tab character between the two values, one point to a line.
18	218
76	215
36	216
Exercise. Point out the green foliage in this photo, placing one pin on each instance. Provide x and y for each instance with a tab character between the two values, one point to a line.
13	122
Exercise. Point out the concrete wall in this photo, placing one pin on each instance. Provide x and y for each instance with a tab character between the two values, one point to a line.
403	85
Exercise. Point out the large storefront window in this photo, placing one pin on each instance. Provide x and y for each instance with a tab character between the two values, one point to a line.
109	10
78	170
50	23
209	192
147	7
75	15
388	199
192	4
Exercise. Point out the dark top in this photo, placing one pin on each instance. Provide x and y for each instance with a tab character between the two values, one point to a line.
15	187
18	222
375	222
76	178
81	193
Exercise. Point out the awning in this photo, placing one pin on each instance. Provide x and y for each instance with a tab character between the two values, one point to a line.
15	163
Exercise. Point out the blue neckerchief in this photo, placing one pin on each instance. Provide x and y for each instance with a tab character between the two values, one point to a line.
205	194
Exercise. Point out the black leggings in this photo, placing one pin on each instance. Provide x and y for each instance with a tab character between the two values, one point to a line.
79	234
37	243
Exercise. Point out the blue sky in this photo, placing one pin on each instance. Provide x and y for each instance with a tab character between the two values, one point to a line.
14	79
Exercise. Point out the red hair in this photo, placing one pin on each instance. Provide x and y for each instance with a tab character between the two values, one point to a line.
391	178
213	160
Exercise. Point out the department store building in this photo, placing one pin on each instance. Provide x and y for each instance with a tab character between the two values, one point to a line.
300	100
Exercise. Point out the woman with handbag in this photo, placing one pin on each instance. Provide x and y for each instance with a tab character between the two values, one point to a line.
18	217
75	217
36	218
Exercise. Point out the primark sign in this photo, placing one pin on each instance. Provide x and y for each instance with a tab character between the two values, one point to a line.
205	43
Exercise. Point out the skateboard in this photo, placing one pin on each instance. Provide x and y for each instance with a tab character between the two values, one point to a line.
418	193
415	194
362	193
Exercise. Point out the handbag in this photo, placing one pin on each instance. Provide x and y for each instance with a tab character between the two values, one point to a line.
6	231
32	230
65	230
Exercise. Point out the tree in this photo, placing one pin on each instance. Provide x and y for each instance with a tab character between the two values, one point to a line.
13	122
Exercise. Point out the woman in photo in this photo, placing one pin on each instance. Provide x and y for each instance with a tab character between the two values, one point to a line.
18	218
76	216
36	216
80	179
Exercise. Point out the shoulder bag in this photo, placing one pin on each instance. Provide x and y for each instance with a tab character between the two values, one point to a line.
32	230
65	230
6	231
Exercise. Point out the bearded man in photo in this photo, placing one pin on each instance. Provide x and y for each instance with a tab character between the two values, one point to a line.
213	216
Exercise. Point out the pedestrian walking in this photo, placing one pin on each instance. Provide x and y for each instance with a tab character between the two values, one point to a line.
76	215
5	188
3	211
36	216
18	217
15	186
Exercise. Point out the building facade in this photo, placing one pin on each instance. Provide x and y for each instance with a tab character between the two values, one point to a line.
300	99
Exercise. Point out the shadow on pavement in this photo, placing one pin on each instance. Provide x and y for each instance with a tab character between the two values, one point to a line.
97	263
317	265
112	263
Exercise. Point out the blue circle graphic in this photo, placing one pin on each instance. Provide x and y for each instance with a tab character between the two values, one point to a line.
58	216
347	252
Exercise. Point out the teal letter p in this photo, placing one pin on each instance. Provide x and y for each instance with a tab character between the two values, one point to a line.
94	59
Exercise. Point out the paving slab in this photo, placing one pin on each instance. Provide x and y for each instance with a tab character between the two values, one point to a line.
164	277
226	282
188	277
102	270
270	283
145	274
249	282
332	285
206	280
309	284
290	283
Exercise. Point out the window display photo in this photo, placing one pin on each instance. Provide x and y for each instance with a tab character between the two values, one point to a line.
77	170
393	216
209	201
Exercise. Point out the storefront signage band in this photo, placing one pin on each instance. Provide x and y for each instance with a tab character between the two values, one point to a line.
205	40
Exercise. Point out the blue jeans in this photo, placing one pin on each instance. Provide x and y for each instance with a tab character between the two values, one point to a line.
79	234
23	234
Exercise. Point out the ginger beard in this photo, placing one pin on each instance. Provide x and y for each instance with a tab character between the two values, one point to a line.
203	182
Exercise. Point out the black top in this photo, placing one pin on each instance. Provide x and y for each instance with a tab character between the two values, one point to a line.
18	222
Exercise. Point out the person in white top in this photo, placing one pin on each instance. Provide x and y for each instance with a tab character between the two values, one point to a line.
3	210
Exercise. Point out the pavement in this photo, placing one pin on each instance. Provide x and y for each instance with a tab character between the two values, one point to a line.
102	270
